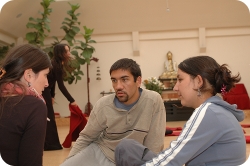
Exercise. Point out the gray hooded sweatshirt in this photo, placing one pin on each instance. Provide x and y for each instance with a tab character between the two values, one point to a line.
211	137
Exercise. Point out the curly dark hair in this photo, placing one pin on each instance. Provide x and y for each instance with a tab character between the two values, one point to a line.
127	64
60	60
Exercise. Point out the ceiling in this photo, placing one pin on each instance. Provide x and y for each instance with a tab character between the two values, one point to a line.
126	16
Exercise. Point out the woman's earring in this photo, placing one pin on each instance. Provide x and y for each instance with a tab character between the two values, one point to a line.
29	84
199	92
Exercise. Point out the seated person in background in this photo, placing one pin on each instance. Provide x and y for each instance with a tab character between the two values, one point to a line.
131	112
23	113
212	136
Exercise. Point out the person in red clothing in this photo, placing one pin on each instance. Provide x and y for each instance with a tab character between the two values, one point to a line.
61	56
23	113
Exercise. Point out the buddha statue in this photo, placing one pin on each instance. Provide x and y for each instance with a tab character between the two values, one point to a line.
169	67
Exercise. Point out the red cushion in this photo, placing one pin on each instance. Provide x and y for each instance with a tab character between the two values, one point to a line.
239	89
247	138
238	95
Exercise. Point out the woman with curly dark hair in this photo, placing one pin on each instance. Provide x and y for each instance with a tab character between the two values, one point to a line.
61	56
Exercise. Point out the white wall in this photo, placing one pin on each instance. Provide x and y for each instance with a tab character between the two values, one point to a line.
228	45
6	39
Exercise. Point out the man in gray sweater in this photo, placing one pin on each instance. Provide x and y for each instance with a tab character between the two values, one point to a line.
132	112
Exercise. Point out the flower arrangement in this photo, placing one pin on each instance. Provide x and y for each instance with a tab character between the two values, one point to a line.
152	83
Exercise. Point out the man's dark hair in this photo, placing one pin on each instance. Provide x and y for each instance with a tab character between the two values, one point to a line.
127	64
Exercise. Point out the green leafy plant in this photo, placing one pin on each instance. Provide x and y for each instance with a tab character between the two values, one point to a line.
41	25
4	50
85	48
85	55
70	26
152	83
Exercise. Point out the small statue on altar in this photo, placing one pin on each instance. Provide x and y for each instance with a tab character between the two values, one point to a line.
170	68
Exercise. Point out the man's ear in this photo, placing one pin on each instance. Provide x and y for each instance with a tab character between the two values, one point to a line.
27	74
138	80
199	81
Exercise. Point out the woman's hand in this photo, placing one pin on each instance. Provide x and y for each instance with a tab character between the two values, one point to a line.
74	103
53	101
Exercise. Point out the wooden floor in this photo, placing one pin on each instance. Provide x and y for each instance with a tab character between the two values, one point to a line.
55	158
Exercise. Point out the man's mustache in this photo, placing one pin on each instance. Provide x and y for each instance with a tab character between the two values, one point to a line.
120	91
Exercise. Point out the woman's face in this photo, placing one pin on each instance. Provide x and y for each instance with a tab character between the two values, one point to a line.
185	86
39	81
67	51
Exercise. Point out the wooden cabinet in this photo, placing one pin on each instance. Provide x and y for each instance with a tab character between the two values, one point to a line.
176	112
168	93
168	83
